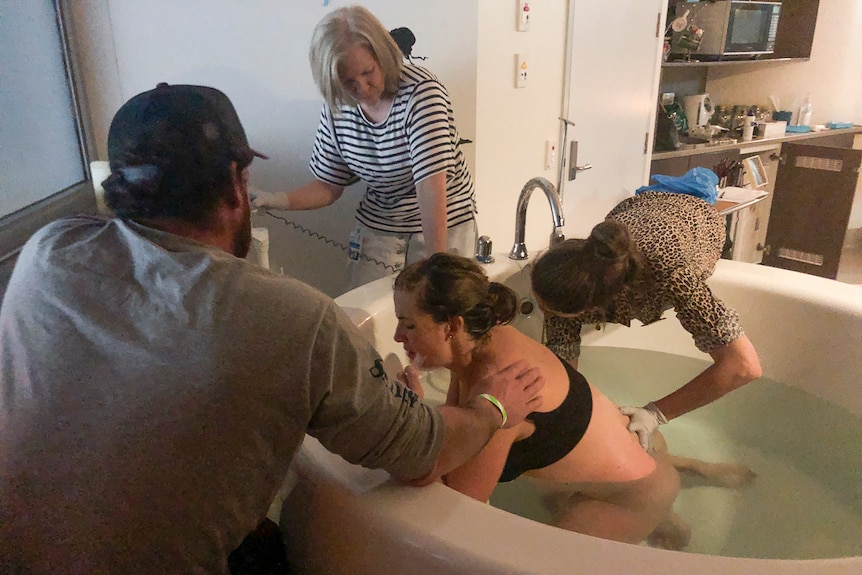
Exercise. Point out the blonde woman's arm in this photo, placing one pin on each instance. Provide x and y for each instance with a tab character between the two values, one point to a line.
313	195
432	206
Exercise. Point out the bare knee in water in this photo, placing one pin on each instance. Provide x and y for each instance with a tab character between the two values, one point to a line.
626	512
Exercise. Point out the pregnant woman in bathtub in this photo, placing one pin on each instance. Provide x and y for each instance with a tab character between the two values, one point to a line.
450	315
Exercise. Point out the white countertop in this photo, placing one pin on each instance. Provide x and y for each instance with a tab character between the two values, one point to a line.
754	146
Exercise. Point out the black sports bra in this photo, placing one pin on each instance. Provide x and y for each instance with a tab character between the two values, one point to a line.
557	432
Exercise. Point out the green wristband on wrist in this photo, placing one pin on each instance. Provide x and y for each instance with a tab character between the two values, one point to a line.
496	403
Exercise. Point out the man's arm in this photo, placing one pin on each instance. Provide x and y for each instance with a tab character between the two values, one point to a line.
468	429
379	423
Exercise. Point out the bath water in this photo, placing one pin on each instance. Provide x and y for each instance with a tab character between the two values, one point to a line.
806	502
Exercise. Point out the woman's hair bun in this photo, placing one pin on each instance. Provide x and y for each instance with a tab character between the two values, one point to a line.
504	302
610	241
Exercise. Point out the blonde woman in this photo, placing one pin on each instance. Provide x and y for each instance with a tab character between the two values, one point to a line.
390	125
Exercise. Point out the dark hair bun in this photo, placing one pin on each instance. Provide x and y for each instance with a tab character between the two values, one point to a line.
610	241
504	301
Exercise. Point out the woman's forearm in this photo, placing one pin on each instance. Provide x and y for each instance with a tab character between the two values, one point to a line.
431	193
735	364
315	194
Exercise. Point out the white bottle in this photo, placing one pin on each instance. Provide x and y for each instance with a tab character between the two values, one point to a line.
748	129
804	118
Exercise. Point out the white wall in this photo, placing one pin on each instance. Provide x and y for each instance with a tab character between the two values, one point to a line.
513	124
256	51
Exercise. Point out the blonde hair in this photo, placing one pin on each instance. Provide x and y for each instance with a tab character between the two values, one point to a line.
338	32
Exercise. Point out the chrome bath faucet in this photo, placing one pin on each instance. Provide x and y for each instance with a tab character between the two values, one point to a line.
519	250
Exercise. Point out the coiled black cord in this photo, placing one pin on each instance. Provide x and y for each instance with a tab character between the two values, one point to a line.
326	240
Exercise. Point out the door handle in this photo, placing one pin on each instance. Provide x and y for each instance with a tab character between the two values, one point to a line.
573	160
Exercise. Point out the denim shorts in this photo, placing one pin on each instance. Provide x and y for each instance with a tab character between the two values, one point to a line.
376	254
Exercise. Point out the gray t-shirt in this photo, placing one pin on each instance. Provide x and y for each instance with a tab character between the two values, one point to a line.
155	390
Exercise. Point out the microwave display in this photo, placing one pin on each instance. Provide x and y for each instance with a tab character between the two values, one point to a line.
749	25
726	29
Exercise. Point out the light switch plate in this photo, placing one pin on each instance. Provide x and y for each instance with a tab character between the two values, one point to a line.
523	16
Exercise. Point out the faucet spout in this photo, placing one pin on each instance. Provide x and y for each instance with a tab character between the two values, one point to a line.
519	250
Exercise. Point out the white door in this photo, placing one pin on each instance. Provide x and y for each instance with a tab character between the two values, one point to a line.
614	62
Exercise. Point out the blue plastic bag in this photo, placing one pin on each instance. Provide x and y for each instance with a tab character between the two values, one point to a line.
698	182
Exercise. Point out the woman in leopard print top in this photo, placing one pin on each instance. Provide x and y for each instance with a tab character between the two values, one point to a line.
654	252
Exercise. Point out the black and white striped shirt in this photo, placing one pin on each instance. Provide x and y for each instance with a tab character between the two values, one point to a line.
418	139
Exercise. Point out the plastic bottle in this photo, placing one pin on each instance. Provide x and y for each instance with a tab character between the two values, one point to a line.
748	128
804	118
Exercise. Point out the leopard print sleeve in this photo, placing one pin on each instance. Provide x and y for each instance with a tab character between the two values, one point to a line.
563	336
710	322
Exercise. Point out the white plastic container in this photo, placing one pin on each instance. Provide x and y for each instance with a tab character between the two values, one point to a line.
748	129
774	129
804	117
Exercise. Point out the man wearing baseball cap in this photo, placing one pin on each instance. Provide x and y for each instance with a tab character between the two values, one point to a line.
155	386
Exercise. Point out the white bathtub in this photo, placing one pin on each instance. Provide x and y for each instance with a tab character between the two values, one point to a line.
343	519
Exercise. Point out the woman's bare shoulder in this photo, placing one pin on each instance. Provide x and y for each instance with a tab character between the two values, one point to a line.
512	344
507	345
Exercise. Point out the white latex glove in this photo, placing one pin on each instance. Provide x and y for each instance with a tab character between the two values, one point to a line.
263	200
643	421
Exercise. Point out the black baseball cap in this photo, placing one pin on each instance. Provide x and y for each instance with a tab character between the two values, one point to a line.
196	124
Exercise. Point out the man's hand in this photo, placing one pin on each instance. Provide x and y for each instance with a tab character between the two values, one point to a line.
643	421
468	429
517	388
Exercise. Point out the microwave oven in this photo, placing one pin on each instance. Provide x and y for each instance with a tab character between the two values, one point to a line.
725	29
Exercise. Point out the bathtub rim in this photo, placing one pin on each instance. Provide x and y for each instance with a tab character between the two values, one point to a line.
442	520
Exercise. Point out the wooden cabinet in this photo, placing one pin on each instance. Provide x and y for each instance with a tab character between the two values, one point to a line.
811	180
796	28
795	33
811	207
670	166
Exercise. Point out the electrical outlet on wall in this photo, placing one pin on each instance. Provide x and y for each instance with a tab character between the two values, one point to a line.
521	66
